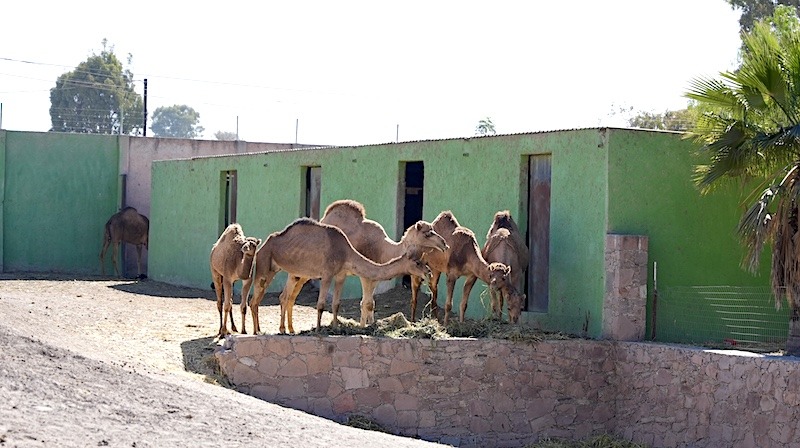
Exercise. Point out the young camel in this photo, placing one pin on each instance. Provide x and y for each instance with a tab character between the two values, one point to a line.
309	249
370	239
231	260
462	258
125	226
501	246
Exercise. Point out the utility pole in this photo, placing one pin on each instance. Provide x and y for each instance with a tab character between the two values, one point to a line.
144	126
296	127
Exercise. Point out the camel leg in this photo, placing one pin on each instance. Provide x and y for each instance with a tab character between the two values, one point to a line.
217	279
415	283
497	303
299	282
368	302
468	284
337	300
139	262
258	293
114	250
286	299
243	305
324	285
106	243
227	286
448	305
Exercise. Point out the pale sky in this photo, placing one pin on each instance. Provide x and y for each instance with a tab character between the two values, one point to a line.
361	72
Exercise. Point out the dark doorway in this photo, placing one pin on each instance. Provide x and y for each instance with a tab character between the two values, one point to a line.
539	233
312	185
411	197
228	202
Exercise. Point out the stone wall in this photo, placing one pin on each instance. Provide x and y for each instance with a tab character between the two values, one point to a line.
625	301
469	392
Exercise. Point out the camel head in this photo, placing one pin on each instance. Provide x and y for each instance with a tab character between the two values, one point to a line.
499	276
250	245
515	302
422	236
417	265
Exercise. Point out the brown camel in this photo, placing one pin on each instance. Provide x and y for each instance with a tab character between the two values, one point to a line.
125	226
231	260
370	239
462	258
504	247
309	249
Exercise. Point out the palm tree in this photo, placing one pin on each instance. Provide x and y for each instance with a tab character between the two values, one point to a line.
485	127
750	132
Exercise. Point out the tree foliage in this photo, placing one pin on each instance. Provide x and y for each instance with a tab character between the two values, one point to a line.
225	135
754	10
485	127
97	98
670	120
750	132
180	121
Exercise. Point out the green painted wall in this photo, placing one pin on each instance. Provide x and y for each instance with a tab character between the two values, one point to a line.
59	191
691	236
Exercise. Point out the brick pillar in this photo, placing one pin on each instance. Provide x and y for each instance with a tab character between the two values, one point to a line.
625	301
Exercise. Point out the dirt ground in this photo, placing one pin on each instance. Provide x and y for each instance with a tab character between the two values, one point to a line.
94	361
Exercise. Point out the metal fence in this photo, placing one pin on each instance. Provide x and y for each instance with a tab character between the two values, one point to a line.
721	316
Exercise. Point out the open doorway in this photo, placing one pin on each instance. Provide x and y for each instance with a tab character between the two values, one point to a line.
312	185
228	185
410	198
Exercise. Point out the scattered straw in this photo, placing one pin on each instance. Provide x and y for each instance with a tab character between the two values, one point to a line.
361	422
601	441
398	327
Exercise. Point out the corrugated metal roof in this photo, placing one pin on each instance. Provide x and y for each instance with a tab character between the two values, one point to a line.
317	148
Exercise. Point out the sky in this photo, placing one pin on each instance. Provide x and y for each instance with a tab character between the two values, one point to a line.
351	72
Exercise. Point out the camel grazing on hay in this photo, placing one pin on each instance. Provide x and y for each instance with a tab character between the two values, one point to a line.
369	238
504	244
231	260
125	226
462	258
309	249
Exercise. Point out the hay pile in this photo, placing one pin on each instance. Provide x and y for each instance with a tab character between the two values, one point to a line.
398	327
601	441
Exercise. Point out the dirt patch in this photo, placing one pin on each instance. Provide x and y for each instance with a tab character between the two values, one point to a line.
93	361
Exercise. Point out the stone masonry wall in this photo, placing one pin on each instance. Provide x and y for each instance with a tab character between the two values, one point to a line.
625	301
468	392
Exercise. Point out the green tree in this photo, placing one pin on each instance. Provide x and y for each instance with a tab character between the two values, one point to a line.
485	127
754	10
671	120
179	121
751	133
97	98
225	135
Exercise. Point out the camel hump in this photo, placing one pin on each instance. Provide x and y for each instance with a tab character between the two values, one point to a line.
447	216
346	206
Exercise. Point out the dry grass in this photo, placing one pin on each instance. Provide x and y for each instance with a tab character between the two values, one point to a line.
601	441
361	422
398	327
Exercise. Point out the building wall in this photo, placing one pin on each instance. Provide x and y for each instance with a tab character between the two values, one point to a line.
59	190
474	178
692	237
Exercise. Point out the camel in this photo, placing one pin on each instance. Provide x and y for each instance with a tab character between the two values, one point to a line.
125	226
309	249
504	247
231	260
369	238
505	244
462	258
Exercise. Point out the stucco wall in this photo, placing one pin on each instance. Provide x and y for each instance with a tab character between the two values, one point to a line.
501	393
59	190
138	154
